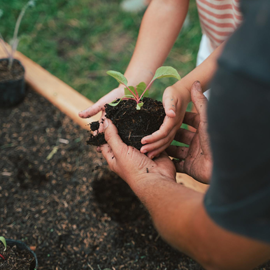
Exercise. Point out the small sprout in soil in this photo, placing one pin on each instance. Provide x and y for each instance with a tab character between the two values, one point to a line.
138	92
3	240
15	41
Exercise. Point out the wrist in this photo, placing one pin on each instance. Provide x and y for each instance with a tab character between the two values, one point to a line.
144	182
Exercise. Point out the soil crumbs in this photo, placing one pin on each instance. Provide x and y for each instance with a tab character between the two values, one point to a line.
15	73
16	258
59	197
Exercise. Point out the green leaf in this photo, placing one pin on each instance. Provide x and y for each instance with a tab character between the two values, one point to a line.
3	240
140	88
114	103
127	92
54	151
139	105
163	72
118	76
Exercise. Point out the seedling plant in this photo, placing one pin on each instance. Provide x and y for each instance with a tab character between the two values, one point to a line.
15	40
3	240
137	93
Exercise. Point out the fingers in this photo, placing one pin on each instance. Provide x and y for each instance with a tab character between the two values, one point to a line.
184	136
199	100
163	131
178	152
96	108
192	119
169	103
112	137
99	105
179	166
107	152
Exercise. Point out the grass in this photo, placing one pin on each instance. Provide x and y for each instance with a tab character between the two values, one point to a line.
79	40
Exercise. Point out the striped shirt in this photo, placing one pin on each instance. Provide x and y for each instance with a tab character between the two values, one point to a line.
219	19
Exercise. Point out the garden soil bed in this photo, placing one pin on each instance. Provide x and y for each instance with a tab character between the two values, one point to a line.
58	195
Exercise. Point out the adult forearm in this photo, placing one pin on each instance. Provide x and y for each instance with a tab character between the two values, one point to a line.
181	219
171	206
160	27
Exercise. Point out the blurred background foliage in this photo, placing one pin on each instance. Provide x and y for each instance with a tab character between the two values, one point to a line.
79	40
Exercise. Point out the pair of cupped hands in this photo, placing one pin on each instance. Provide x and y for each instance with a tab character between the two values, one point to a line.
131	164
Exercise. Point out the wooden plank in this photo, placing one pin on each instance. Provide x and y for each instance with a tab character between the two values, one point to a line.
56	91
190	182
71	102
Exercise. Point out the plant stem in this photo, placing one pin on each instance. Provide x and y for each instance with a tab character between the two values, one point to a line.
148	86
15	35
4	45
136	97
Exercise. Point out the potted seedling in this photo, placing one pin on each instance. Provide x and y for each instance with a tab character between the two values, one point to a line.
12	89
134	115
16	255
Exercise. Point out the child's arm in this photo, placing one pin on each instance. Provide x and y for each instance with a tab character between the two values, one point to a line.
160	27
175	101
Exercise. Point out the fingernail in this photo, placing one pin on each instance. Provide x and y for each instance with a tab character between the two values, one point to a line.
105	123
198	86
143	151
172	112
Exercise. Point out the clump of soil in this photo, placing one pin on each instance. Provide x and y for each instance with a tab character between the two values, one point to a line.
132	124
16	258
15	73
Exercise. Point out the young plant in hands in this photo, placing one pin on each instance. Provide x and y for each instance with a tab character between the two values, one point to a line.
134	115
137	93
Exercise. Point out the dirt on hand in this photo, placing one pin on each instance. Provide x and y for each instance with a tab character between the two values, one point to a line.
132	124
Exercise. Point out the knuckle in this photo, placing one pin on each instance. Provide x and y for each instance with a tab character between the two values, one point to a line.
164	133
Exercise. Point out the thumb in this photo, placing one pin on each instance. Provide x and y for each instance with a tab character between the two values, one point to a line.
169	102
112	137
199	100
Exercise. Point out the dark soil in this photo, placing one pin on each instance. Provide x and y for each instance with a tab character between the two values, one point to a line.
15	73
16	259
132	124
71	208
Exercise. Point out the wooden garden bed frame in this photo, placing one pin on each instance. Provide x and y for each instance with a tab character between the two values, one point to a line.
70	102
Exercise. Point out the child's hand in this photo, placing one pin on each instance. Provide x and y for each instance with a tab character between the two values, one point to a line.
99	105
175	102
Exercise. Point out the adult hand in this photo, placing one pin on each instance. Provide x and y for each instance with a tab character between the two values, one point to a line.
175	102
129	163
195	160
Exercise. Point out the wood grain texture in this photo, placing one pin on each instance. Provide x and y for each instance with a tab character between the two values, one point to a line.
56	91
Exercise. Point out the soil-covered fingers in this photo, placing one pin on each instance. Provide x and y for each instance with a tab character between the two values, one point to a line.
199	100
179	152
184	136
192	119
112	138
179	166
108	154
